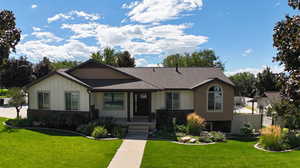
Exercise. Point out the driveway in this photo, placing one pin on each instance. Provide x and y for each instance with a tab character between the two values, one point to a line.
11	112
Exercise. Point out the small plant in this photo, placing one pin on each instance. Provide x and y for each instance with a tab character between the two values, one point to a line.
246	130
272	138
217	136
181	128
195	124
86	129
205	139
99	132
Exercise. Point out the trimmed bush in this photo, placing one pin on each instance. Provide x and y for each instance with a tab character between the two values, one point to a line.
86	129
195	124
99	132
272	138
246	130
119	131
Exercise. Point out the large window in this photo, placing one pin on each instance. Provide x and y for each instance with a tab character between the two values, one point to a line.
113	101
72	100
43	100
215	99
172	100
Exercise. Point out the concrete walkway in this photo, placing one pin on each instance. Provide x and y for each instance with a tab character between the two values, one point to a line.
130	153
10	112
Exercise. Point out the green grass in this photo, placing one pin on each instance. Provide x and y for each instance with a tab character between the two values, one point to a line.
41	149
232	154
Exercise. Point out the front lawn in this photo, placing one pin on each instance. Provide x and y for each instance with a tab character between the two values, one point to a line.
34	149
232	154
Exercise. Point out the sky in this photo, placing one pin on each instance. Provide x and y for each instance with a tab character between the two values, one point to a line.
240	32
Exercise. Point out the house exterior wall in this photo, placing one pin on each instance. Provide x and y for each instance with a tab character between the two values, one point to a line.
159	100
93	73
98	102
57	85
200	102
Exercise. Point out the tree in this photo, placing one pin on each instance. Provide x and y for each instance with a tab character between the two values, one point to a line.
17	99
244	83
64	64
267	81
43	68
9	34
286	39
125	59
111	57
17	73
204	58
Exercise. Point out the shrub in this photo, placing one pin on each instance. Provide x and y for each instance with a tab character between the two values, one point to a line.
292	139
181	128
119	131
20	122
246	130
217	136
195	124
86	129
107	122
99	132
205	139
272	138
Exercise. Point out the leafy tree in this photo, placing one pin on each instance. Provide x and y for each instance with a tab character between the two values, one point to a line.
43	68
125	59
267	81
17	99
244	83
64	64
9	34
286	39
17	73
204	58
111	57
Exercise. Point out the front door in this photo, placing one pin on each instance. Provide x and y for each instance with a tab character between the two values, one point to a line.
141	104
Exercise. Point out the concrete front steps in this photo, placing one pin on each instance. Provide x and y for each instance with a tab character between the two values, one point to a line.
138	130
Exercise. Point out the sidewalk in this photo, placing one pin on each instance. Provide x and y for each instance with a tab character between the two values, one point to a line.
130	153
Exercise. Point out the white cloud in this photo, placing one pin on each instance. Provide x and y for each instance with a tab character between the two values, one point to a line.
36	28
23	36
72	49
46	36
248	52
274	69
148	11
72	14
140	39
142	62
34	6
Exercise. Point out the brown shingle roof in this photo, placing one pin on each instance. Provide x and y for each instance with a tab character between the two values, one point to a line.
185	78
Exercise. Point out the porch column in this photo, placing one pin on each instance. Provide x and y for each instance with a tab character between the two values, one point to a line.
128	106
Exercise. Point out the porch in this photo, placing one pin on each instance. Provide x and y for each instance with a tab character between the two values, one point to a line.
127	107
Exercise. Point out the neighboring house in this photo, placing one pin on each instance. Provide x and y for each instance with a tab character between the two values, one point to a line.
267	100
130	94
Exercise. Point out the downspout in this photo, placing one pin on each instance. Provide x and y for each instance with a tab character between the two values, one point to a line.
90	112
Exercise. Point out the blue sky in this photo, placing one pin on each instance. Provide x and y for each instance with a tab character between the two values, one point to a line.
240	32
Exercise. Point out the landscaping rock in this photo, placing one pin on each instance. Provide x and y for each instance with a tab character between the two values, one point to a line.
185	139
204	133
193	140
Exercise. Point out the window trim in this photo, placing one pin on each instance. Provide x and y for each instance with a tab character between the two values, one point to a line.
115	109
179	102
70	91
222	101
38	101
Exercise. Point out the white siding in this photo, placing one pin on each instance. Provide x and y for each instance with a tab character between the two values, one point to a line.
110	113
57	85
186	100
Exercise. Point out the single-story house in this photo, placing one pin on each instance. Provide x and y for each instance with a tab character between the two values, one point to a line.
133	94
267	100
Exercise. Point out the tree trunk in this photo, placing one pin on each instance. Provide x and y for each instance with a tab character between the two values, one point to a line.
18	113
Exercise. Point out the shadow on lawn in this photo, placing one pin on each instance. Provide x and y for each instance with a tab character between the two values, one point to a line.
6	129
53	132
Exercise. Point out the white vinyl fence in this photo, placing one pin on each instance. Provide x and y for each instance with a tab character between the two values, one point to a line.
239	120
